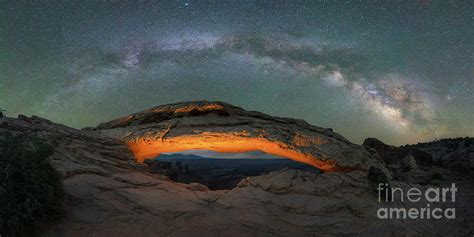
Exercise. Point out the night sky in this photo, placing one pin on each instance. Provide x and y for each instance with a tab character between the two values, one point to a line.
401	71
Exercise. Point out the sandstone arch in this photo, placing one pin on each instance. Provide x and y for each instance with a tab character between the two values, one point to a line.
223	127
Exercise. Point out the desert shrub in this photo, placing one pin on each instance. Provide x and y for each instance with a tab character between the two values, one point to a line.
31	190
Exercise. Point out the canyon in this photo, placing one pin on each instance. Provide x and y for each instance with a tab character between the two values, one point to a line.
110	191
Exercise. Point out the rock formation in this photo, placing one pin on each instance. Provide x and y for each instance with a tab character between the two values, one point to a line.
225	128
393	156
75	151
457	153
110	194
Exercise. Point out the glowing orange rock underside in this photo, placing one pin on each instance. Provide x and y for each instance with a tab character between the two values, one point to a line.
150	148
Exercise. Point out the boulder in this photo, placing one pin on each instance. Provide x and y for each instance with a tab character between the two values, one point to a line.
408	163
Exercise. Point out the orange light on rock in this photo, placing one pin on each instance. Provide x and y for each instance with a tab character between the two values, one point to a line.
220	142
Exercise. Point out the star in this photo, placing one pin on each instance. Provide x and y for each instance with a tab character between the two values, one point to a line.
404	76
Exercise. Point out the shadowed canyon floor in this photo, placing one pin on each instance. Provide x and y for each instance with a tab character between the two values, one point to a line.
219	173
109	193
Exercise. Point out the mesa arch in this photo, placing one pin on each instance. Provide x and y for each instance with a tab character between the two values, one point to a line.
222	127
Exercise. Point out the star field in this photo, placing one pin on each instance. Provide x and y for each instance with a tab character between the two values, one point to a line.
399	71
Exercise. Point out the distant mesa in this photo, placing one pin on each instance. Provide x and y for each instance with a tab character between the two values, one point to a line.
221	127
207	154
180	156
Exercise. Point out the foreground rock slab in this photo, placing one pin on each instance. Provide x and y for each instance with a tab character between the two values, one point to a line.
282	203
